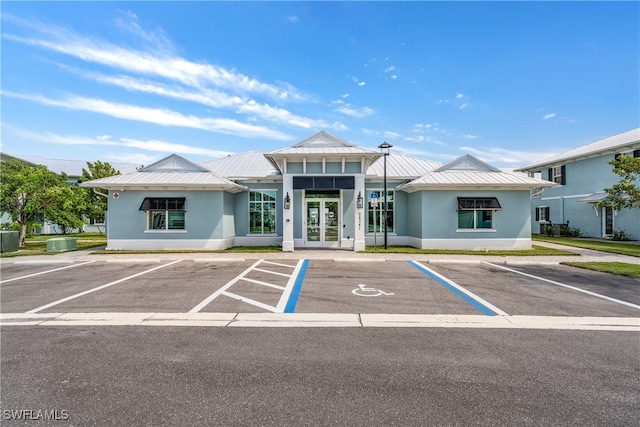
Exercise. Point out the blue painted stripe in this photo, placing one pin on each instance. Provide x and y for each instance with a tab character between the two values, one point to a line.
295	292
481	307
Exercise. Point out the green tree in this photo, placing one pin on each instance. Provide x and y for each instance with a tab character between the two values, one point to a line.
626	193
95	204
28	191
68	206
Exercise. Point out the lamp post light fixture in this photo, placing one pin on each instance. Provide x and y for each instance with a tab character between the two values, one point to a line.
287	201
360	200
385	146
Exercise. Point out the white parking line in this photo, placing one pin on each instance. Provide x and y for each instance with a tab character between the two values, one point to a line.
47	272
553	282
60	301
279	308
220	291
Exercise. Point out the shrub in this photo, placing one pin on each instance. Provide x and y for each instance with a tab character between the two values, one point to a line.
620	235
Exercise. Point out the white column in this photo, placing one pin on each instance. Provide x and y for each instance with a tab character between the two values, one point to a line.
360	219
287	215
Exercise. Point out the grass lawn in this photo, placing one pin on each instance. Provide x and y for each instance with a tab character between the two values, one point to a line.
37	245
619	268
621	248
535	251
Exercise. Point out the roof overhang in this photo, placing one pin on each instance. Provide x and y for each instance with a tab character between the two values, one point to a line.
279	160
235	188
595	198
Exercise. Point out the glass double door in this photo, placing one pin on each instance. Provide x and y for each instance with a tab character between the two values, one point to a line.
322	222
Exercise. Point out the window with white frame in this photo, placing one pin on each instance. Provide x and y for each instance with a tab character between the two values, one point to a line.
375	217
477	213
262	212
558	174
542	213
164	213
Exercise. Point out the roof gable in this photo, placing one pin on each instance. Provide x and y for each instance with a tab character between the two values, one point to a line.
467	163
323	139
174	163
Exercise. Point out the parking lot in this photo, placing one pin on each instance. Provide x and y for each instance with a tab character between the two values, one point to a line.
171	341
37	293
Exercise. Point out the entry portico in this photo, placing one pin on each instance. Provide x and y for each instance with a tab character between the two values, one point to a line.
323	177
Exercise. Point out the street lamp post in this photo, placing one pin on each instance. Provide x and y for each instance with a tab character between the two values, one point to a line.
387	146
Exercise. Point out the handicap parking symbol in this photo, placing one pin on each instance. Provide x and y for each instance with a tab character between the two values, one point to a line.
364	291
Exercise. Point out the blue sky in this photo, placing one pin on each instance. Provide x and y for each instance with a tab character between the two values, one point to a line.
508	82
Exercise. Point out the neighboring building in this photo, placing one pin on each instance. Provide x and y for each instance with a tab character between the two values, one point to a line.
73	170
318	193
579	200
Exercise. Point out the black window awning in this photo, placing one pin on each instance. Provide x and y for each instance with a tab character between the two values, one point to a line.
478	203
163	203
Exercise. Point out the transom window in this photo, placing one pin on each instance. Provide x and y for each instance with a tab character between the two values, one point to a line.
262	212
375	215
164	213
477	213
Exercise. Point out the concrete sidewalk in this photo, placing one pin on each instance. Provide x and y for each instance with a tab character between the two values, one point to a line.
337	255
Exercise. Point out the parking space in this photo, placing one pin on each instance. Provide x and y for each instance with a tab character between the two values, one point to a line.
315	286
28	291
387	287
525	295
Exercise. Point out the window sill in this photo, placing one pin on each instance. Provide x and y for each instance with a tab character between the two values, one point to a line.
262	234
476	230
165	231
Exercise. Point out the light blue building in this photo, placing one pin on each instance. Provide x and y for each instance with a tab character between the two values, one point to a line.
579	200
323	192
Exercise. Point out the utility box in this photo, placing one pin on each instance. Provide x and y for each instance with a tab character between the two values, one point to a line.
9	241
62	244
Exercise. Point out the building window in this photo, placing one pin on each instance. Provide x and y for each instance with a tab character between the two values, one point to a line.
542	214
262	212
96	221
477	213
558	174
164	213
376	214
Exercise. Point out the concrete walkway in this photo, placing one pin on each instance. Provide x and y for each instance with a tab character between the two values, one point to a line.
581	255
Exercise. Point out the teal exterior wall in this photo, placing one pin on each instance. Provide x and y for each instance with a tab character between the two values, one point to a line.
204	217
439	217
583	177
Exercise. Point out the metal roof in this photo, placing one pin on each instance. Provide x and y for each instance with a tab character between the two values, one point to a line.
246	165
629	140
165	180
400	166
468	172
596	197
474	180
172	172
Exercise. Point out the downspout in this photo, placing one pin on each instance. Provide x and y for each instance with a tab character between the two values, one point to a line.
106	220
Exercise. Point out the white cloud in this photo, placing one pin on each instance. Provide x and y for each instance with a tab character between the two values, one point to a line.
459	95
548	116
157	116
355	112
161	61
292	19
362	84
150	145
